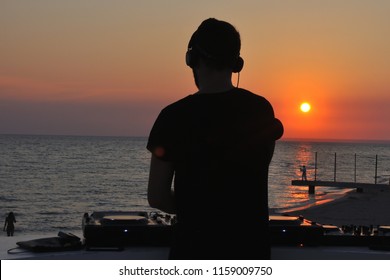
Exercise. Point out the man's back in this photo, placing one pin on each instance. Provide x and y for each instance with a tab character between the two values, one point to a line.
221	145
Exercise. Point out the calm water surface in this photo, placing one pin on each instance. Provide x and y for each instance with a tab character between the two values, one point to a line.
50	181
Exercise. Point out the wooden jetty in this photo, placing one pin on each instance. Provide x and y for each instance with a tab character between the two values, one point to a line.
347	185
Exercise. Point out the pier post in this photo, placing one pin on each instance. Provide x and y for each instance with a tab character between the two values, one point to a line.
335	161
315	167
312	189
376	168
355	170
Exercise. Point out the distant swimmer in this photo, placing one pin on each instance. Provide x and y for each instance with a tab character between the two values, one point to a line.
9	224
303	170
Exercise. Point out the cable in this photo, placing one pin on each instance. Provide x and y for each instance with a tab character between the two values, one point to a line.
238	79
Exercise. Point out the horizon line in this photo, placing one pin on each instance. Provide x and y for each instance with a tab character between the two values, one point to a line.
289	139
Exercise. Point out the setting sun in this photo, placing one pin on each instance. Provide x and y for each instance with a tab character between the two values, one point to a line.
305	107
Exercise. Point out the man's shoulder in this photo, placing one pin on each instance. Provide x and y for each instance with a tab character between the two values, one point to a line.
250	95
181	103
254	100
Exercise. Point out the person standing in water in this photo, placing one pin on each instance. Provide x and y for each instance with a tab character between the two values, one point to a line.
9	224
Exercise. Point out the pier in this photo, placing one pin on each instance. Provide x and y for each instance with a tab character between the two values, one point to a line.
348	185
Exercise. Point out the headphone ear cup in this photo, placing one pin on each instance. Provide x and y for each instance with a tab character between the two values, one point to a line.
191	58
238	65
188	58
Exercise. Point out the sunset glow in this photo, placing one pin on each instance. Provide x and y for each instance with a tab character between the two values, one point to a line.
305	107
69	67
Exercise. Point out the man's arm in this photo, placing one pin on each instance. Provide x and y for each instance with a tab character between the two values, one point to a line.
160	193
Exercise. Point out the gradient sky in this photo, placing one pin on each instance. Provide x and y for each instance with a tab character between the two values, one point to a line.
100	67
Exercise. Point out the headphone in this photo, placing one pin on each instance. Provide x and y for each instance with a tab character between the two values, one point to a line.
194	52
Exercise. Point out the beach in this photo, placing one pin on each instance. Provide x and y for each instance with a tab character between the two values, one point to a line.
369	207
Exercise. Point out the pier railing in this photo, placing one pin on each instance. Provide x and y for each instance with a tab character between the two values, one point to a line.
359	186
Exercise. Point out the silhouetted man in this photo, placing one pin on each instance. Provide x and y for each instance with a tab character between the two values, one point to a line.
216	145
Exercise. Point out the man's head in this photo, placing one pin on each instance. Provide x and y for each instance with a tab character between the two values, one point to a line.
218	44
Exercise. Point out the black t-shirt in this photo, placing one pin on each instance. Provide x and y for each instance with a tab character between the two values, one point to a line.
221	145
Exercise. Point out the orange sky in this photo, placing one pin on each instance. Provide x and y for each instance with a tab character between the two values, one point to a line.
108	67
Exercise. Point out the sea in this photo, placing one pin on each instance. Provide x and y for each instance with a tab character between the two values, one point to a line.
49	182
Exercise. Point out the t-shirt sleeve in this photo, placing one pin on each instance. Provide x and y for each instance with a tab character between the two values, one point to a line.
273	127
277	129
161	137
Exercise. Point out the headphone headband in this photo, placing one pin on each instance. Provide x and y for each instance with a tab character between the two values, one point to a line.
193	53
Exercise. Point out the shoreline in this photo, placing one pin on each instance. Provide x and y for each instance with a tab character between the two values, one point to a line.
369	207
319	199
